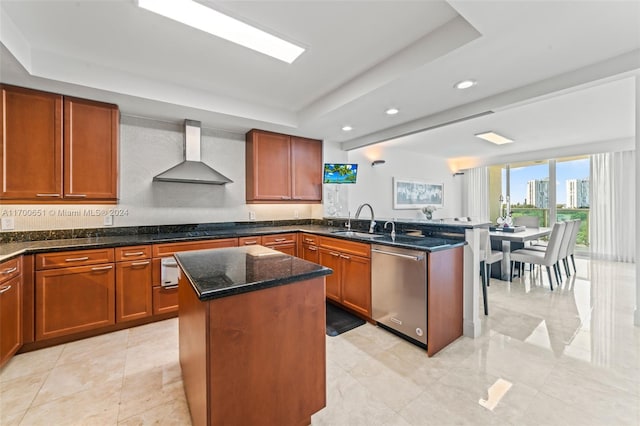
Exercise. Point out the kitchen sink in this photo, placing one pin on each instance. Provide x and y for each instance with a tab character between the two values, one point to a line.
358	234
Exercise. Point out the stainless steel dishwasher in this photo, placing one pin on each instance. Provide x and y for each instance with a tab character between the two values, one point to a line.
399	291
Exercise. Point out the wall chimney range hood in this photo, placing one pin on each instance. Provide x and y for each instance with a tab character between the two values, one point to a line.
192	169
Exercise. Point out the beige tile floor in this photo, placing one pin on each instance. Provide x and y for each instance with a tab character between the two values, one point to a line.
570	357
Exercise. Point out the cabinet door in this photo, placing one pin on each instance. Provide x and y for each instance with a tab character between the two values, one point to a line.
71	300
90	150
268	163
133	290
310	253
10	318
31	154
306	165
331	259
356	283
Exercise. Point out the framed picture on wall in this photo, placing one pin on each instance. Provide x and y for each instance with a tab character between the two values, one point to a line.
411	194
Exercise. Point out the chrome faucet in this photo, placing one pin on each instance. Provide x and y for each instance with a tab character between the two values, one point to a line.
393	228
373	222
347	224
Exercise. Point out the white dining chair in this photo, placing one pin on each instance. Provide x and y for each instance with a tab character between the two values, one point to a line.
548	258
487	258
567	238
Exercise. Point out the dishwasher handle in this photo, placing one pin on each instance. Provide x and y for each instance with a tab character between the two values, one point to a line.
405	256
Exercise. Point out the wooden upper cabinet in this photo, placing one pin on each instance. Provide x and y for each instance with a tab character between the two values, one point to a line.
91	150
306	169
31	154
268	163
282	168
57	149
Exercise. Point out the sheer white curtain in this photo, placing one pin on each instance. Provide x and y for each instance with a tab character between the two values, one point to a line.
477	193
612	226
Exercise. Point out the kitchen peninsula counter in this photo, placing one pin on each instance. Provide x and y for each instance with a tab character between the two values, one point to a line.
251	336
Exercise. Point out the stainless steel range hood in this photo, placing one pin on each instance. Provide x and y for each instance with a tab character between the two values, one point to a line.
192	169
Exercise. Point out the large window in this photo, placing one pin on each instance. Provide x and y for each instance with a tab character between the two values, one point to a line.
528	188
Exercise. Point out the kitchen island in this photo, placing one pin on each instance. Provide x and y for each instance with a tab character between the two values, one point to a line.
251	336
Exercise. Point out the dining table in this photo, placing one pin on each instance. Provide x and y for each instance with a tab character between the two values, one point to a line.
505	239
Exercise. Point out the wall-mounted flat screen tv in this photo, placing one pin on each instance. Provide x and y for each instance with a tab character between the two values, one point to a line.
340	173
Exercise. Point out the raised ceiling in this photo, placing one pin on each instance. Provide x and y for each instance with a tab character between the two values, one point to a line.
554	73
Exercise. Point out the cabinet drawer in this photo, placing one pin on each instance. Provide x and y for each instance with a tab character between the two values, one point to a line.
270	240
132	253
165	300
10	269
309	239
352	247
166	250
73	258
249	241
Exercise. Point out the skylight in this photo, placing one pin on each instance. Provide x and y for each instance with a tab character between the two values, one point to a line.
213	22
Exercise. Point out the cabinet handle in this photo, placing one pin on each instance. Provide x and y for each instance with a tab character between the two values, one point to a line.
5	288
102	268
47	195
169	287
308	240
10	270
285	198
77	259
313	248
135	253
333	253
345	257
146	262
76	195
279	240
250	243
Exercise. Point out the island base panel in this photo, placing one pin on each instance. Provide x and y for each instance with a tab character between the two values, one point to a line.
264	355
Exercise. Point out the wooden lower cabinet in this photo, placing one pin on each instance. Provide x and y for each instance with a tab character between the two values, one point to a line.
133	290
333	284
350	283
356	283
10	318
72	300
165	300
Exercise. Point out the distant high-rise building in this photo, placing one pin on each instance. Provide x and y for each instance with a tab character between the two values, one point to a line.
577	193
538	193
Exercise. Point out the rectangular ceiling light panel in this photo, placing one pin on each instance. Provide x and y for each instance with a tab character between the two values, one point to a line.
493	137
213	22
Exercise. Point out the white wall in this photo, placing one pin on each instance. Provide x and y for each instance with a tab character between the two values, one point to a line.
375	184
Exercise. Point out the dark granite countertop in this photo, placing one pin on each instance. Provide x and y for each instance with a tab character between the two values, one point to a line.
230	271
10	250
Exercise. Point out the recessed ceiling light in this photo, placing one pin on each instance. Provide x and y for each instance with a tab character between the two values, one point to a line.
392	111
493	137
347	128
220	25
465	84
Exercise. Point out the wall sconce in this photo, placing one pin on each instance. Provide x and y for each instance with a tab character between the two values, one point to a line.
378	163
458	174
